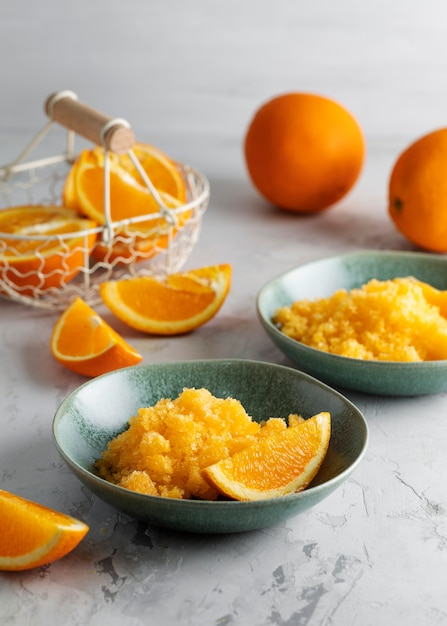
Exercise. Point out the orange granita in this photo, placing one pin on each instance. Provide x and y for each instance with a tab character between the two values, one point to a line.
402	319
166	446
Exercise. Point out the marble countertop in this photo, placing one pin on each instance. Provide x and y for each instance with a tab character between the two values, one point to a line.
375	551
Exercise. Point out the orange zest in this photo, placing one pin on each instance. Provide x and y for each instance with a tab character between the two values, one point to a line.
32	535
84	343
177	304
29	264
276	465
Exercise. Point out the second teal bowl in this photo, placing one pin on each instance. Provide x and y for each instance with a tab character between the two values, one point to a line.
321	279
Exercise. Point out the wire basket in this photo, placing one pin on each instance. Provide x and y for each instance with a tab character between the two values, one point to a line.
65	265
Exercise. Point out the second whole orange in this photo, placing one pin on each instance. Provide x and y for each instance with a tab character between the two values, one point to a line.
417	192
303	152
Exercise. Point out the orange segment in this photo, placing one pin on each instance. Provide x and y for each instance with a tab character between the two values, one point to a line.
33	535
87	345
128	198
175	305
276	465
28	263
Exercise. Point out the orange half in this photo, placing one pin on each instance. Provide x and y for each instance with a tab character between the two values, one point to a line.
276	465
171	306
84	343
33	535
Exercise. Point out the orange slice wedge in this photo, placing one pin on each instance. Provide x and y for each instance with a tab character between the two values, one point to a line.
65	241
162	171
87	345
129	198
176	305
276	465
33	535
129	195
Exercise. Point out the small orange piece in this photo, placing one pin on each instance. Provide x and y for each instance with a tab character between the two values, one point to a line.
276	465
87	345
417	192
171	306
28	264
32	535
303	152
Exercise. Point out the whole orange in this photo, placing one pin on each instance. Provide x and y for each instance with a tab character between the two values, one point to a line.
303	152
417	192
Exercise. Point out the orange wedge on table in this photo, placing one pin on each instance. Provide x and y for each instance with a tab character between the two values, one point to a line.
54	258
276	465
129	198
32	535
177	304
87	345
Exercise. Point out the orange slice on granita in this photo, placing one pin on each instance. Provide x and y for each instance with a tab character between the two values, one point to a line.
84	343
276	465
32	535
49	247
175	305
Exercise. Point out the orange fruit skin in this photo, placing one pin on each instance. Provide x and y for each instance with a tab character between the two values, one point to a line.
84	343
417	192
55	266
303	152
32	535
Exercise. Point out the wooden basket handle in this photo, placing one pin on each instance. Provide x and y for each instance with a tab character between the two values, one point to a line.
113	134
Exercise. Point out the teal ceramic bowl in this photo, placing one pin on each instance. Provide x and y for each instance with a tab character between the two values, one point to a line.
321	279
98	410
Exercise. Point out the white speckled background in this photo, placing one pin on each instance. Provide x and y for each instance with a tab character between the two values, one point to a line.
188	76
